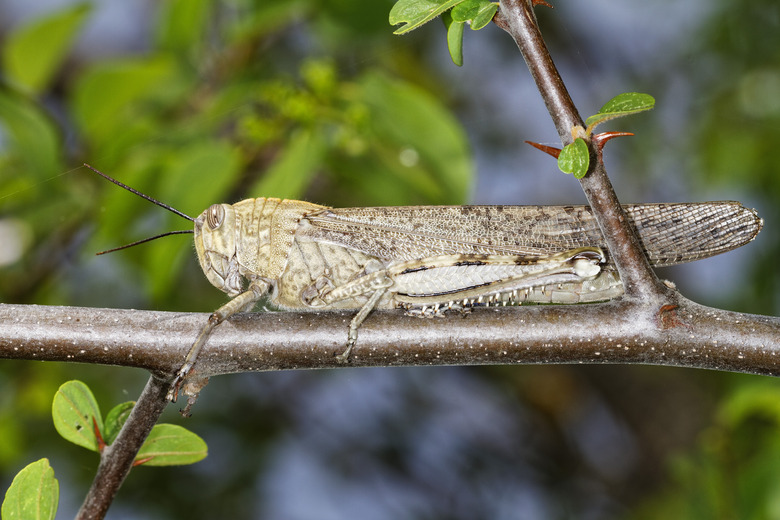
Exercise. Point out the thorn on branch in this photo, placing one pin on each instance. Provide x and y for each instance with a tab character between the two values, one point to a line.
601	139
101	442
549	150
138	462
668	318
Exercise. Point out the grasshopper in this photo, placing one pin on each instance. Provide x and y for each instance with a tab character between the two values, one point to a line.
429	259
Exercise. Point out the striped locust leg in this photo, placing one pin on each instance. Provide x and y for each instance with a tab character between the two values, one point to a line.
469	279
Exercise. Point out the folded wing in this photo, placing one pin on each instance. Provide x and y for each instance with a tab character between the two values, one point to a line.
670	233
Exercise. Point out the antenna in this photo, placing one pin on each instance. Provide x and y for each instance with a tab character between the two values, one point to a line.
146	240
142	195
150	199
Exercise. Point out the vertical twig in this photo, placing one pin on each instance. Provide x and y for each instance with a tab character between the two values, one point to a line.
117	459
518	19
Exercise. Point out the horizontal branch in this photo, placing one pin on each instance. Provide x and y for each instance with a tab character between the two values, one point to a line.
689	335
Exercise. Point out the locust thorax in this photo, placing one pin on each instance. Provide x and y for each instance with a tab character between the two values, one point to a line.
215	243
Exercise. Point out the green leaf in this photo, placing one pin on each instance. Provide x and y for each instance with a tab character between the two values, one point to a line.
454	38
622	105
107	98
290	175
478	13
484	17
575	158
200	174
73	410
33	135
172	445
33	53
183	24
33	495
422	147
757	399
414	13
115	419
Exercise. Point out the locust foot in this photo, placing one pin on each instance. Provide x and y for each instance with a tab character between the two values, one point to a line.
343	358
189	385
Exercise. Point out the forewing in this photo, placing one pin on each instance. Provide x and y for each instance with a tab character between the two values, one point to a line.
677	233
670	233
413	232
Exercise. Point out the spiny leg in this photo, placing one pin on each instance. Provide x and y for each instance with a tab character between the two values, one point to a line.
244	301
359	318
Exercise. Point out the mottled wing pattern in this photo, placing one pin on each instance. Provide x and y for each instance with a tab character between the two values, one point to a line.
670	233
678	233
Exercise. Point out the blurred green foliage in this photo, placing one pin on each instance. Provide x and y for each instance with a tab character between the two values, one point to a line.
740	127
219	107
734	472
317	100
198	120
34	54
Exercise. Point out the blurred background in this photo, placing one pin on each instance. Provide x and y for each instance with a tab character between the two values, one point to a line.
198	101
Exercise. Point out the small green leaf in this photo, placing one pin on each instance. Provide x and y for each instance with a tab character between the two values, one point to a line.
30	134
478	13
73	410
484	17
33	495
621	105
414	13
454	38
33	54
115	419
575	158
172	445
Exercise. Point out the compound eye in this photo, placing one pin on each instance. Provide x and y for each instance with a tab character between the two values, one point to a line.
215	215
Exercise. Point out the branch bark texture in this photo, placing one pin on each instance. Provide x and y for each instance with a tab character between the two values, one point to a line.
619	331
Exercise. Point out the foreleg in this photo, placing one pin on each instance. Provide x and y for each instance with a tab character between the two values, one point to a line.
243	302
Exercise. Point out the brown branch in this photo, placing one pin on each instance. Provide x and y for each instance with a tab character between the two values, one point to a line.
688	335
117	459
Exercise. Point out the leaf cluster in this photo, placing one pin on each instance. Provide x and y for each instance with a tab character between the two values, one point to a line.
455	14
732	472
34	492
575	157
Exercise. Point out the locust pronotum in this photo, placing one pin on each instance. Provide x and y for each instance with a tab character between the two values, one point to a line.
428	259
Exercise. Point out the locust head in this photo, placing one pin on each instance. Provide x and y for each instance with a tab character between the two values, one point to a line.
215	243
